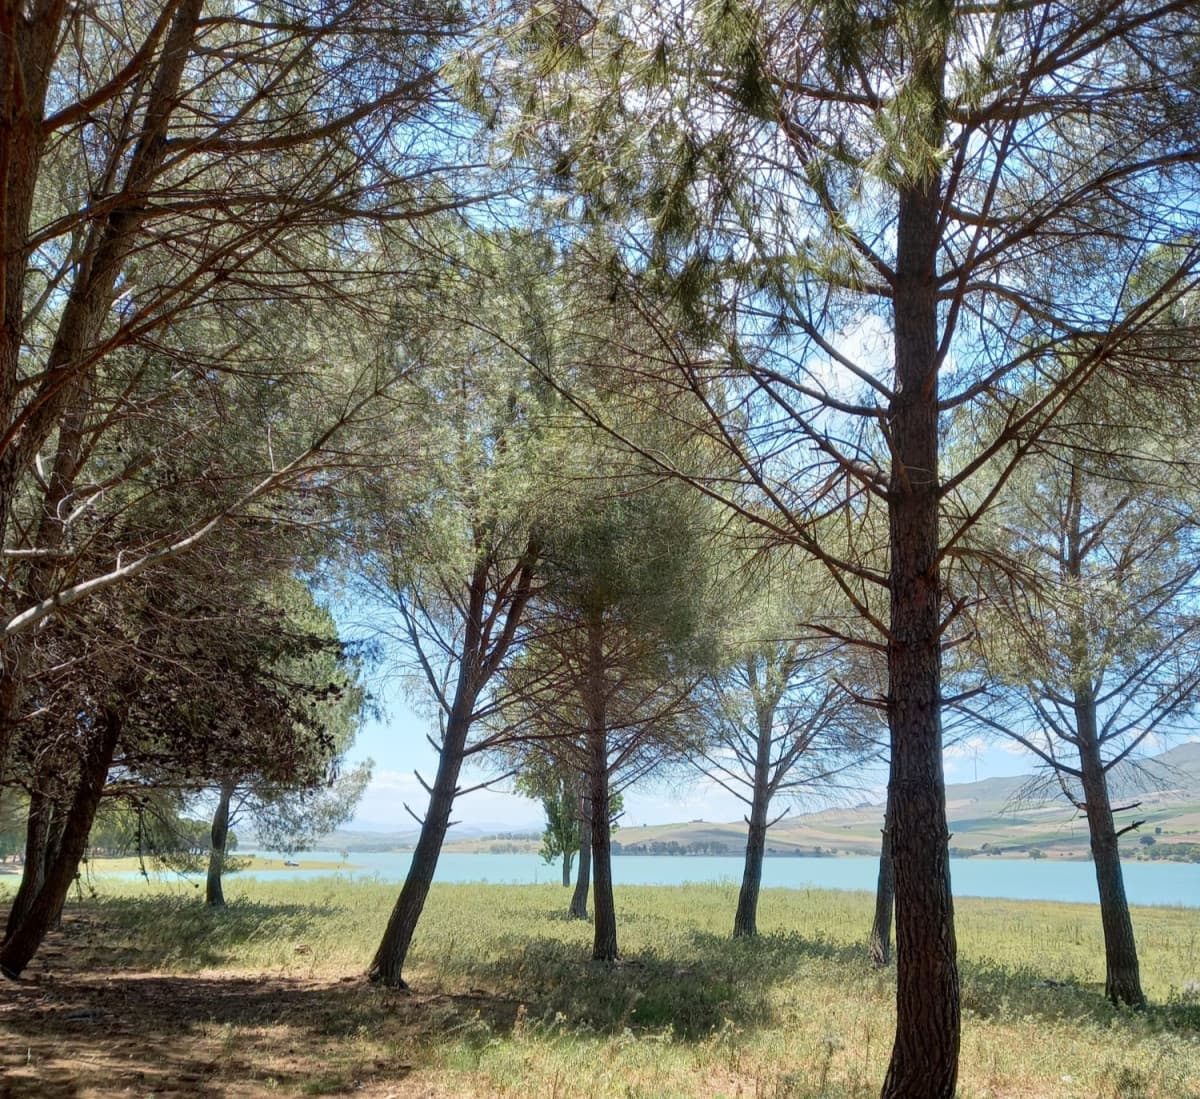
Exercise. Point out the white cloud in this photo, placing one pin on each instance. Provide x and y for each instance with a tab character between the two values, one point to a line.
965	749
383	806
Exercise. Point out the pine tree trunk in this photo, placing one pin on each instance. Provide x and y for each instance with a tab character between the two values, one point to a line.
604	940
20	947
745	920
388	964
214	895
33	872
27	52
480	657
880	943
578	910
1122	977
924	1062
50	854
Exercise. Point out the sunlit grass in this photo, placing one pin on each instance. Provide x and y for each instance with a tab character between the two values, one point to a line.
507	1001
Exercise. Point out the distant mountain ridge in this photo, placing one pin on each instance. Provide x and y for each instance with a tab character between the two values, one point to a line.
1001	815
992	816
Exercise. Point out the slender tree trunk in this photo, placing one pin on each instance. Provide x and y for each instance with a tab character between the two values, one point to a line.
880	943
578	910
23	943
214	895
51	852
27	50
924	1062
568	858
482	652
388	963
604	941
37	838
1122	978
745	921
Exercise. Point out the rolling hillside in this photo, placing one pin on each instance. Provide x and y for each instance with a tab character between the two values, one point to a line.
998	815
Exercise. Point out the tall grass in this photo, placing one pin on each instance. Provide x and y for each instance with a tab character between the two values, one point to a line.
507	1001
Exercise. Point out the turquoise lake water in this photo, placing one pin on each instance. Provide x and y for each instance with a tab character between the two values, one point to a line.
1014	879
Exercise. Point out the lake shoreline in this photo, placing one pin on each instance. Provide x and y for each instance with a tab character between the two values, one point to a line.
1147	883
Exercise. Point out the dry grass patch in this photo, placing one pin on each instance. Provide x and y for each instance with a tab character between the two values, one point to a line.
145	992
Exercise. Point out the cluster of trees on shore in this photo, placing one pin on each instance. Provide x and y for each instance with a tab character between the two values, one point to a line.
752	386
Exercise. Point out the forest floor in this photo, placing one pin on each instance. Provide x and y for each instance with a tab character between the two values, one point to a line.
144	992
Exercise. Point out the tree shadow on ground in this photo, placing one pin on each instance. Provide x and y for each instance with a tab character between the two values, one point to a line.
193	1035
88	1022
709	981
991	990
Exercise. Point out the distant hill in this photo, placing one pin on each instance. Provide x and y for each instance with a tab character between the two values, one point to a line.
1008	815
1005	816
462	838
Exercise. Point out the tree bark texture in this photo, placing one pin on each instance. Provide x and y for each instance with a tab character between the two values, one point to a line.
604	939
27	49
481	655
924	1062
578	909
1122	977
745	920
33	872
388	963
214	894
25	939
879	945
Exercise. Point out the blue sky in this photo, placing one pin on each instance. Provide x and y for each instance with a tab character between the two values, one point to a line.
397	743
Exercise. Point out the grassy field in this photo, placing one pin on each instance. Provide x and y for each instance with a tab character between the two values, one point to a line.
145	992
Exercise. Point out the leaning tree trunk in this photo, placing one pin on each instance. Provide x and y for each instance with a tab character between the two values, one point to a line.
27	58
27	936
214	895
388	963
1122	978
578	909
880	943
924	1062
33	872
745	920
50	853
483	650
